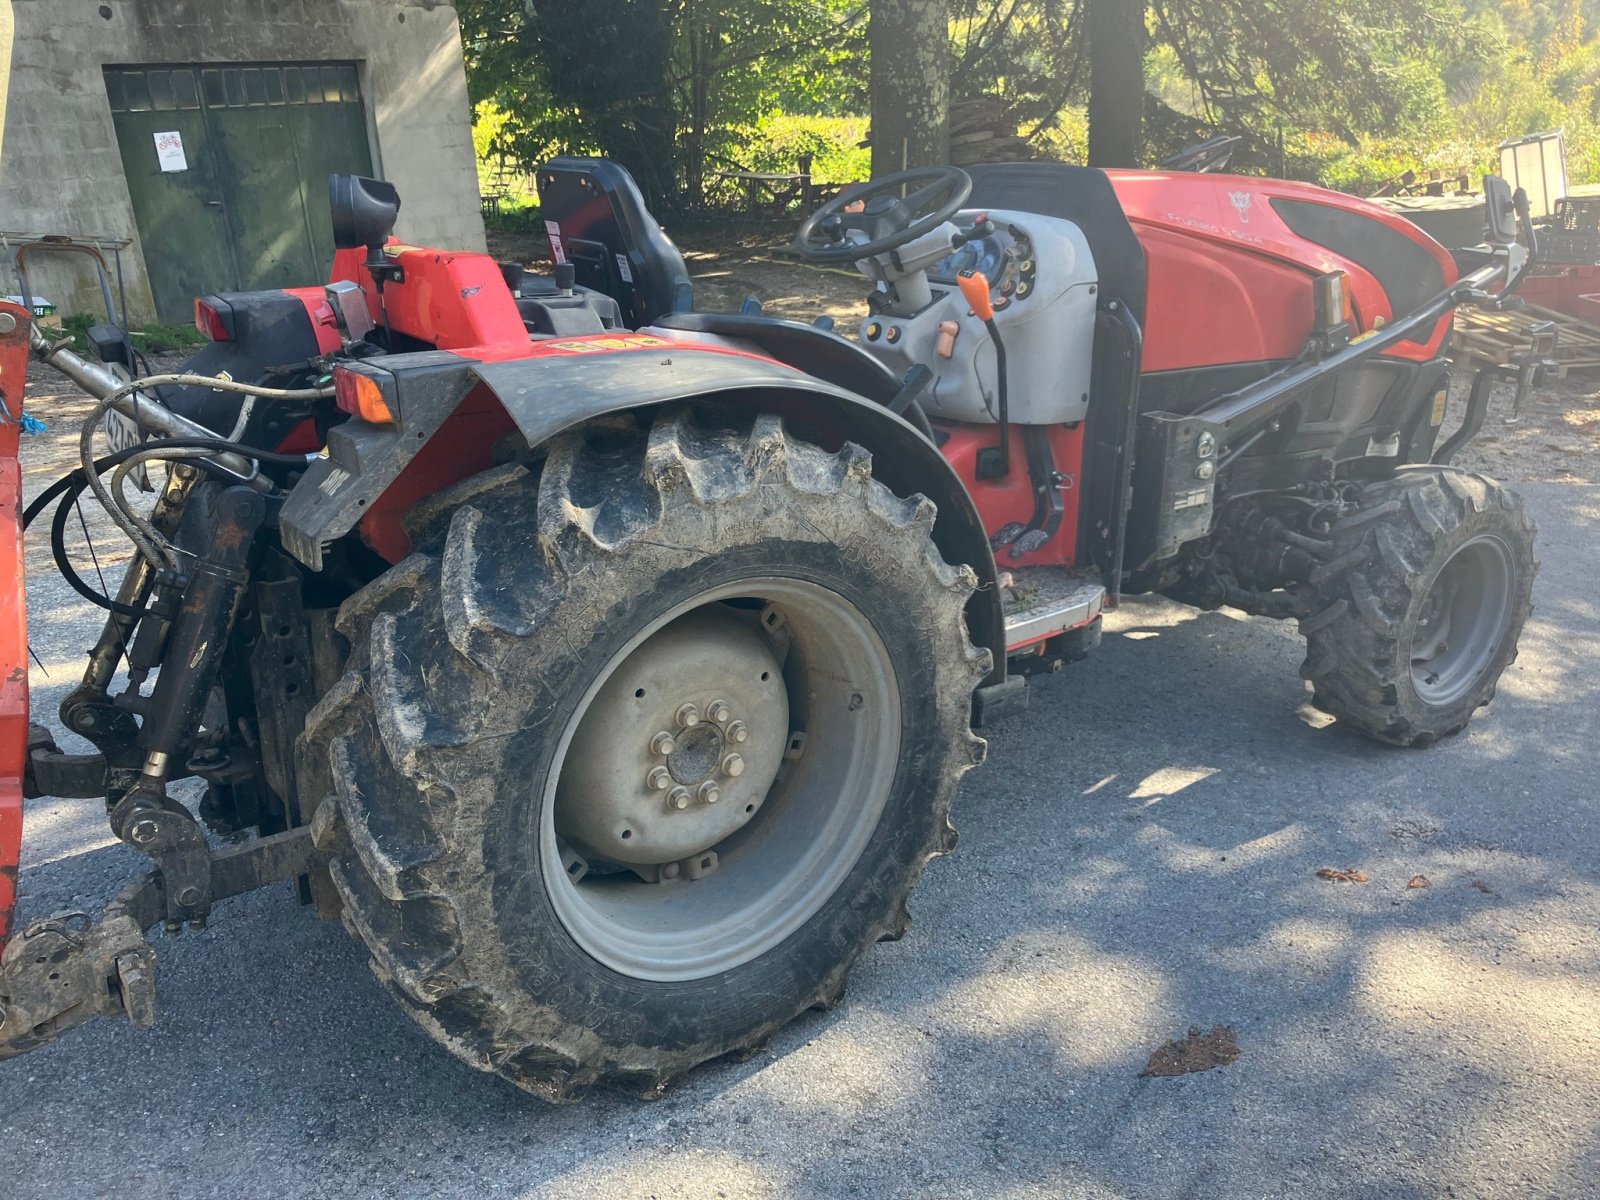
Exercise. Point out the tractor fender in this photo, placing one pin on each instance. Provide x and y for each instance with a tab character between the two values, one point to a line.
372	475
548	395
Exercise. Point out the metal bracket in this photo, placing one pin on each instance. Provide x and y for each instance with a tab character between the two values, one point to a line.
49	772
999	700
164	830
58	973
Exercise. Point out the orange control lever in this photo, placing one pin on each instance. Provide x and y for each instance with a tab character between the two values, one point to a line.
975	287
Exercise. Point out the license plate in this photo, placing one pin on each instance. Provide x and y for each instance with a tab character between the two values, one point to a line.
123	434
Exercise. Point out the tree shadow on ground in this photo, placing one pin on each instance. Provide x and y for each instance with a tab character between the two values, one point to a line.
1139	857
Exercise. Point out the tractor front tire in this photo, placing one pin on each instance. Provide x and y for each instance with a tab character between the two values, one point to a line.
644	746
1419	609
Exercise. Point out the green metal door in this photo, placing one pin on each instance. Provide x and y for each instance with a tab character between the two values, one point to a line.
187	246
250	209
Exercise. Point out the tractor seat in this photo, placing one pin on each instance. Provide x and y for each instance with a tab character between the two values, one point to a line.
597	220
818	352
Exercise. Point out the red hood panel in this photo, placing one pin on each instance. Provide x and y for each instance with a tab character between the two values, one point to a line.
1230	281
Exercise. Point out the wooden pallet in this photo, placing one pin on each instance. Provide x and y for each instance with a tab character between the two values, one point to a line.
1491	338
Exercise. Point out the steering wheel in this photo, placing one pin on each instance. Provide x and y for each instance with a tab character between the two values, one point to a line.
878	211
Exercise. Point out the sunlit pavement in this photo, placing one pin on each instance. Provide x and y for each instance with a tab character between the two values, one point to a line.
1138	857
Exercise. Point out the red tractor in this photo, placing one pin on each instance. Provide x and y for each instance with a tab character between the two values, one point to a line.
611	667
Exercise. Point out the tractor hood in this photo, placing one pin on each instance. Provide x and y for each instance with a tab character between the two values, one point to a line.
1231	259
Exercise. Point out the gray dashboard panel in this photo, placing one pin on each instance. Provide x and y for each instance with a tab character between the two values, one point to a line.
1048	335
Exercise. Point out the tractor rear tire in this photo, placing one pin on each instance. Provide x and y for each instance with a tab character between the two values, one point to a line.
1420	607
518	870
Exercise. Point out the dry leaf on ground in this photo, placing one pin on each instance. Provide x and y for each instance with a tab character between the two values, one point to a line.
1418	881
1348	875
1197	1052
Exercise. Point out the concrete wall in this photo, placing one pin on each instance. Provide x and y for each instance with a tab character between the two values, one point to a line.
61	171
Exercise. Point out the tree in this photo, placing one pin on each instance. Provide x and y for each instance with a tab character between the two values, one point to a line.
668	88
910	84
1116	82
1338	65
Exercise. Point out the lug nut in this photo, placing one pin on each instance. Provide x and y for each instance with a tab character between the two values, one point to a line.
737	732
688	716
659	779
710	793
719	712
733	765
678	797
663	744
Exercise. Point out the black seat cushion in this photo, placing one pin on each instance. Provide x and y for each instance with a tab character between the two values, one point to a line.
596	220
818	352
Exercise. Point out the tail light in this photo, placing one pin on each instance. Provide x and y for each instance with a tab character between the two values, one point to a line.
362	394
213	316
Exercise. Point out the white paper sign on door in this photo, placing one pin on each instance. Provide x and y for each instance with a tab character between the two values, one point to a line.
169	151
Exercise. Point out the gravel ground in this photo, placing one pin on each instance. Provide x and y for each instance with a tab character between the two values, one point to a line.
1140	857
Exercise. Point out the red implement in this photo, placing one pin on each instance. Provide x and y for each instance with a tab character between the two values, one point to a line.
13	608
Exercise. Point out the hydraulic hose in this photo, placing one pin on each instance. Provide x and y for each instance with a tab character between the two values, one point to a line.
159	551
70	486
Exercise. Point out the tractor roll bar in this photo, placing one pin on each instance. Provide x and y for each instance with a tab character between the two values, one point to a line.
1249	406
1259	402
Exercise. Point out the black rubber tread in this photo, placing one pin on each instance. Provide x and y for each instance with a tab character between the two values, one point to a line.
1369	594
464	650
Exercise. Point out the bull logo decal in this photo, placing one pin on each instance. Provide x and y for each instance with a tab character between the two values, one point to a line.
1241	202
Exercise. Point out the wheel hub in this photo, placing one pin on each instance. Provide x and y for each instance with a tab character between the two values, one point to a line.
696	755
1462	621
679	748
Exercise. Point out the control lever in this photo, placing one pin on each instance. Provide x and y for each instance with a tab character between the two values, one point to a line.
993	462
980	228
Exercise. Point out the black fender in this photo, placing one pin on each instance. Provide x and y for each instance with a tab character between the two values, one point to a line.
545	395
548	395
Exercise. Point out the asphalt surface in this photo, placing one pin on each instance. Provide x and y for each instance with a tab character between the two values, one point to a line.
1138	857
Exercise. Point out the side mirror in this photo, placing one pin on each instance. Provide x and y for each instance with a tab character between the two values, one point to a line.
1500	211
364	210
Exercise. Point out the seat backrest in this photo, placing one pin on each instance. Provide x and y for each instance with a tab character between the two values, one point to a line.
596	220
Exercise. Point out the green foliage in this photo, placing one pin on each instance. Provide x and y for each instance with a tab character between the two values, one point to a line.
516	214
776	142
669	89
76	326
1031	53
152	339
1349	93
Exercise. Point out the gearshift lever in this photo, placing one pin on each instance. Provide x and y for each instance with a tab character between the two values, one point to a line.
994	463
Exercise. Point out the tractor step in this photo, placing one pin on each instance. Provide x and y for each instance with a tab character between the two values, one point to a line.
1042	602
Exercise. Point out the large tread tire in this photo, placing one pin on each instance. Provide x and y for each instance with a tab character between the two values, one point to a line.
467	655
1369	593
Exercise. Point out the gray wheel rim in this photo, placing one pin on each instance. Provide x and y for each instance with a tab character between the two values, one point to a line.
775	872
1461	624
